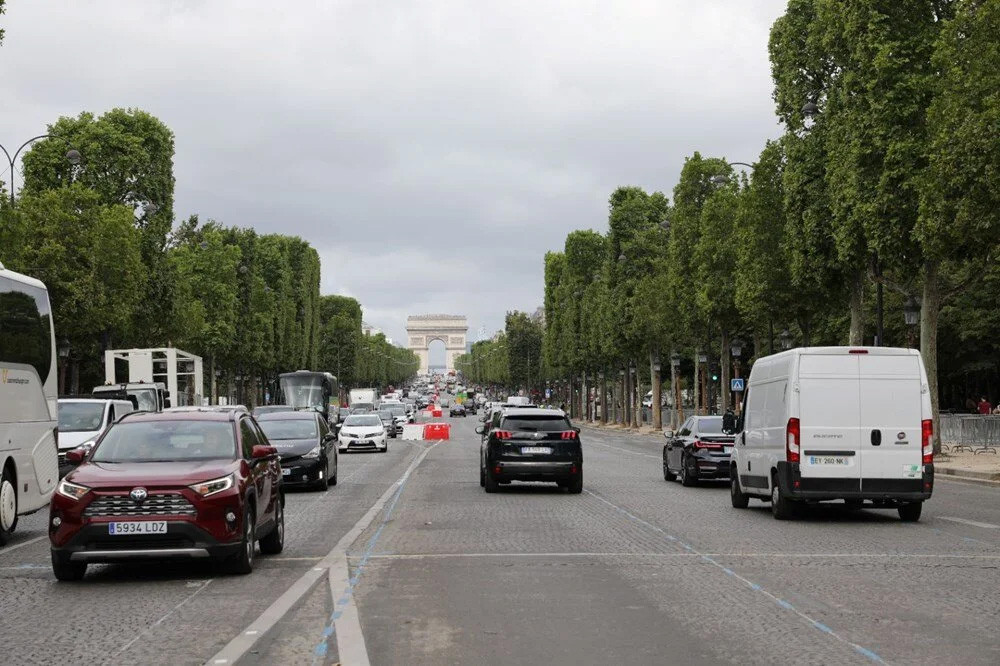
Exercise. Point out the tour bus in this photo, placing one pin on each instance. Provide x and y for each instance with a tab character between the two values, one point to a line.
29	468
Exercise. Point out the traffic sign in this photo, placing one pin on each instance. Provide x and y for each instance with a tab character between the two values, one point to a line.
737	384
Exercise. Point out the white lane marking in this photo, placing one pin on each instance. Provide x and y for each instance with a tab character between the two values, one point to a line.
164	617
11	549
618	448
964	521
247	639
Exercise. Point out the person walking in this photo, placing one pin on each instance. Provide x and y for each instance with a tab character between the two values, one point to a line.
984	406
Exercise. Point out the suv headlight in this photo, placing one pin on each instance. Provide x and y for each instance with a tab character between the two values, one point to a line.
71	490
314	453
206	488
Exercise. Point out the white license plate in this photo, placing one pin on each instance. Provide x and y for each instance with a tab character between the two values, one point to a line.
536	449
829	460
285	471
727	449
138	527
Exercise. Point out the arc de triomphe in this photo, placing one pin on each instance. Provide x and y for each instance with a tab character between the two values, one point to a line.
422	330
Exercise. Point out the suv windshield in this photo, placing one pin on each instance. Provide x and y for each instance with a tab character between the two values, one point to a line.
540	423
80	416
359	420
289	428
169	441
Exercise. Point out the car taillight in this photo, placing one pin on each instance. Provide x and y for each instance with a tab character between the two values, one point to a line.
927	440
569	434
698	444
504	434
792	431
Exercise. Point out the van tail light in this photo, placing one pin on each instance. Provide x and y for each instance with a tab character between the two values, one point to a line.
858	351
504	434
698	444
792	433
927	440
569	434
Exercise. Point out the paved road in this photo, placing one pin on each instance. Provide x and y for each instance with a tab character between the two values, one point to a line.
635	570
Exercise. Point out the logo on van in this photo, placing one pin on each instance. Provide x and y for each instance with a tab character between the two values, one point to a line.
13	380
900	435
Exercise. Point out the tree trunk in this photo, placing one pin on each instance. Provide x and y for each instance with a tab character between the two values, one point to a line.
857	333
929	311
654	360
697	381
213	395
724	382
627	397
74	374
604	399
637	397
676	396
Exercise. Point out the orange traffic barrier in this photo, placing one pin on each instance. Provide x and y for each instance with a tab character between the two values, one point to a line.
437	431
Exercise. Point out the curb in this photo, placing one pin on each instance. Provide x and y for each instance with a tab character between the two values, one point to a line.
966	474
968	480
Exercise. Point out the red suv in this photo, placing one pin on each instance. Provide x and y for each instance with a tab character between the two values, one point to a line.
193	484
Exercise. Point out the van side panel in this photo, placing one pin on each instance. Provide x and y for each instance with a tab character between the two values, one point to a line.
830	419
890	415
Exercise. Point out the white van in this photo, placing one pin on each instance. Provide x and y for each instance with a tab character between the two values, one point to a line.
82	421
29	469
836	423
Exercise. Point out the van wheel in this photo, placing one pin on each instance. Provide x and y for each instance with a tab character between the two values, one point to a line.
739	499
782	508
910	513
8	506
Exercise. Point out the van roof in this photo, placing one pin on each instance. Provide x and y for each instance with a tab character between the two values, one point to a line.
860	349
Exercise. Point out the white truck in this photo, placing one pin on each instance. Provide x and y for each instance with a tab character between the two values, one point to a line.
363	396
836	423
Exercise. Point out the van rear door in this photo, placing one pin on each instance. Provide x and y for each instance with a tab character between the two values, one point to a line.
890	420
830	421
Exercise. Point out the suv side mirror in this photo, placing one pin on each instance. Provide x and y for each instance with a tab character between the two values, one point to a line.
480	430
260	452
76	455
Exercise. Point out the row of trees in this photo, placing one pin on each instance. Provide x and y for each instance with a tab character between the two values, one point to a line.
511	360
100	233
886	179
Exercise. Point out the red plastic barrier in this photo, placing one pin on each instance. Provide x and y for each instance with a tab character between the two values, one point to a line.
436	413
437	431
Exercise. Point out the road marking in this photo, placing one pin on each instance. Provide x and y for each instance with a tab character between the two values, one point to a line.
985	526
753	586
618	448
164	617
432	556
248	638
11	549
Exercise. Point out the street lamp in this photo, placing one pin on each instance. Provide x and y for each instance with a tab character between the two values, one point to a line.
785	337
719	179
621	257
72	156
665	225
63	348
911	312
810	109
736	347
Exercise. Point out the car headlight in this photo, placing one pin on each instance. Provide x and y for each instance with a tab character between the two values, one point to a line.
314	453
71	490
206	488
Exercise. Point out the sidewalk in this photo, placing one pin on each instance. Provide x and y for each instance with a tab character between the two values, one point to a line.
982	467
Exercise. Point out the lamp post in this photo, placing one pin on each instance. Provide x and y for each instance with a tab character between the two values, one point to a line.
911	315
701	407
656	415
736	347
633	403
675	364
72	156
785	337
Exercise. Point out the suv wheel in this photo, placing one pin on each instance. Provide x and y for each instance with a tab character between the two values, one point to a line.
66	570
274	542
242	562
482	476
8	506
575	484
490	482
739	498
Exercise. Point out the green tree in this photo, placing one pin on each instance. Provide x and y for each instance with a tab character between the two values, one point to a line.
524	348
339	337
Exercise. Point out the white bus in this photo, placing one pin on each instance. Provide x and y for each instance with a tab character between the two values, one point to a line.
29	468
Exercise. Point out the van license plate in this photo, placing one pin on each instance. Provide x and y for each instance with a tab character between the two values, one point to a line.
138	527
536	449
829	460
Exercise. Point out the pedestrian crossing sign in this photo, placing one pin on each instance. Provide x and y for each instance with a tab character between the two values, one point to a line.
737	384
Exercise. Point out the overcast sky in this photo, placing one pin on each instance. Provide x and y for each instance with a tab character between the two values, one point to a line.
431	150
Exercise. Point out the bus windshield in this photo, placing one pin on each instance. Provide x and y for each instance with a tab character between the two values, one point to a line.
306	390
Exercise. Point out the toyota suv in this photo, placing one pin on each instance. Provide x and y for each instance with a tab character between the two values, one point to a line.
530	444
165	485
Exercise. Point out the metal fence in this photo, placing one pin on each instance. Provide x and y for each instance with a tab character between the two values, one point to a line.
976	433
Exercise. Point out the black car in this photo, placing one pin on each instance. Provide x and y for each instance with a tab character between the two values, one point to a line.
306	445
699	450
457	410
530	444
389	419
260	410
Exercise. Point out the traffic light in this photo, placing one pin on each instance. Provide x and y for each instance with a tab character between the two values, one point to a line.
715	377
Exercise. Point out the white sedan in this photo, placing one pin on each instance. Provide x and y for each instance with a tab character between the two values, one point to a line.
363	432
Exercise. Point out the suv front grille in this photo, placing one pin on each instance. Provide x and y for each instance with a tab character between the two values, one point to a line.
157	504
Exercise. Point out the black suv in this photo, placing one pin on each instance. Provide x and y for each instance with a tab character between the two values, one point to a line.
530	444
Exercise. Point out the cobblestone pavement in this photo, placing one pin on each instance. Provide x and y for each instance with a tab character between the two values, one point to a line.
635	570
